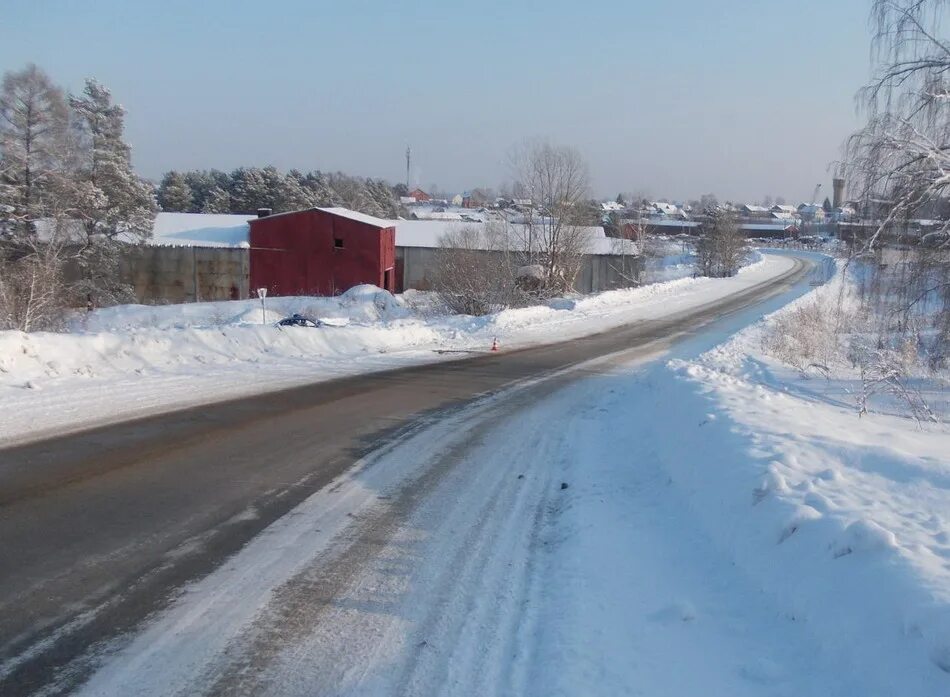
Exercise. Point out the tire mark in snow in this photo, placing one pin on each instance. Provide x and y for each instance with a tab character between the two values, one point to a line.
336	622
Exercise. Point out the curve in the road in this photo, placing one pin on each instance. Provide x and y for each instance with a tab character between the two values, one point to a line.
98	529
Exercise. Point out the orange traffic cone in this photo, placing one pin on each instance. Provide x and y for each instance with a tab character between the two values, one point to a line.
494	344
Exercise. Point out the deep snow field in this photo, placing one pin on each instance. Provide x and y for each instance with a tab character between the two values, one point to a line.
844	521
131	360
735	528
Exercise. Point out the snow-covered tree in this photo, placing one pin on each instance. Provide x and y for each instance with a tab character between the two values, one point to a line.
202	183
217	200
249	190
902	155
722	248
285	193
113	204
174	193
321	189
33	147
902	158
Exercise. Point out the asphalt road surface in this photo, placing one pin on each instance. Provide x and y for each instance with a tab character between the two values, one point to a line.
98	529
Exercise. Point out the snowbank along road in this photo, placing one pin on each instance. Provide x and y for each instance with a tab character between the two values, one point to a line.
358	536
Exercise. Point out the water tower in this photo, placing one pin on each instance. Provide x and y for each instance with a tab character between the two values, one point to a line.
837	185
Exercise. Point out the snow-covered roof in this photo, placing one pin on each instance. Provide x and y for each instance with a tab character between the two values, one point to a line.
428	233
225	230
201	229
751	208
783	208
436	215
358	217
766	227
663	222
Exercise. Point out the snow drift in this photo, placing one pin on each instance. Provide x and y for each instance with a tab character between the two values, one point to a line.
130	360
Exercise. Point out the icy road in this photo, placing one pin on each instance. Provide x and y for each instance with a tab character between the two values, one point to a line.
490	526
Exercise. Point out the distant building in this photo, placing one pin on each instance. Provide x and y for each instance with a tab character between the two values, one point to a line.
429	214
782	209
670	210
419	195
457	200
752	211
812	213
473	199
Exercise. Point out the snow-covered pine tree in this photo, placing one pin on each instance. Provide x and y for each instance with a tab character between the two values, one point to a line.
249	190
201	183
33	129
114	205
320	189
174	193
293	195
385	199
217	200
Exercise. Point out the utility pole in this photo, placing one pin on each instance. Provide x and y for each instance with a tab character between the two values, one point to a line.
408	158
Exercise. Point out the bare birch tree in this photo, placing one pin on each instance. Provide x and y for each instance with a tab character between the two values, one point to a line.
556	180
32	291
900	162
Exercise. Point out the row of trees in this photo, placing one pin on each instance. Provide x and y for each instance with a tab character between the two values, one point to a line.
68	197
246	189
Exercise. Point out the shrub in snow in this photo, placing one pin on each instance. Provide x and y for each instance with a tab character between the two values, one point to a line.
887	371
807	336
474	275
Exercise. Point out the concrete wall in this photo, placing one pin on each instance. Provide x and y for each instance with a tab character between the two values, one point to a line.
186	274
607	272
171	274
598	271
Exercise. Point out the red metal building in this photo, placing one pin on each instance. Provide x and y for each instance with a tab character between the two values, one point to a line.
420	195
321	251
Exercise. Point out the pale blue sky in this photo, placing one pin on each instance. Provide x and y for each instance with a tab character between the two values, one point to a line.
737	97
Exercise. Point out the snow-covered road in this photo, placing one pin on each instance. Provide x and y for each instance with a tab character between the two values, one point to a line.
531	543
457	564
643	522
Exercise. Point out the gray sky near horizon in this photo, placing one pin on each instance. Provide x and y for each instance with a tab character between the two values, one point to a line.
671	99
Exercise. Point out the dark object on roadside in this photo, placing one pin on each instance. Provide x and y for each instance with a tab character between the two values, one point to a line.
563	486
297	320
520	476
